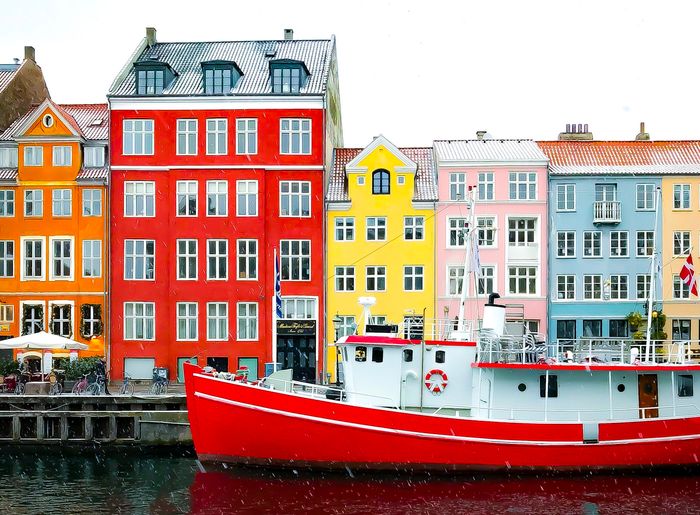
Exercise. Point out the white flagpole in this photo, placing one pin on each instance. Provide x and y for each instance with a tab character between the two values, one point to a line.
650	300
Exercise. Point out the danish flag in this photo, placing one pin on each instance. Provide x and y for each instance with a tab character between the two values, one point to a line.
688	275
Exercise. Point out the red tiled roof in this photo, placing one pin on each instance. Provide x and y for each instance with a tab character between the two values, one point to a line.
83	118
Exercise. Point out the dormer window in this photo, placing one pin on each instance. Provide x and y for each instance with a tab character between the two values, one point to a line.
220	77
288	76
380	182
152	78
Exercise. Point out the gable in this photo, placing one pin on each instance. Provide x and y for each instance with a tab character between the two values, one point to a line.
48	121
381	153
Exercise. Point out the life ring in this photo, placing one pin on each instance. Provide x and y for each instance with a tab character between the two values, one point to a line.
436	386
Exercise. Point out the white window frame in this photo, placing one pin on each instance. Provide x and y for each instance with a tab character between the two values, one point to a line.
7	314
302	198
37	199
681	291
344	278
186	129
9	157
217	255
569	291
248	320
615	237
486	283
591	237
143	190
62	155
146	320
486	183
341	226
522	234
646	240
90	202
682	190
290	132
518	179
135	256
377	223
23	257
93	156
454	280
61	320
187	256
70	259
95	262
592	280
217	134
460	225
679	237
186	190
140	132
33	155
41	320
7	203
616	283
646	278
249	259
458	186
299	308
217	318
413	274
566	192
411	225
8	259
58	198
245	129
530	275
92	320
569	238
244	190
190	321
483	228
373	272
294	260
642	188
216	194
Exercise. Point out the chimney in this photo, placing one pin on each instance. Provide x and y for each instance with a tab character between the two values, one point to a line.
480	134
29	53
576	132
642	136
288	34
150	36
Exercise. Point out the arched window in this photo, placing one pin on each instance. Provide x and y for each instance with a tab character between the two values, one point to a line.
380	182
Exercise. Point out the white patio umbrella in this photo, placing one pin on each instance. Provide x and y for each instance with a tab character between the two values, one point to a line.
42	341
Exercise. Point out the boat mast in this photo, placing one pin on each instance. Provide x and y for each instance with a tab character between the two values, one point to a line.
650	299
468	235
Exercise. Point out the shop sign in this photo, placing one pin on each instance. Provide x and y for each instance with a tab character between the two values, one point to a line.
4	328
302	327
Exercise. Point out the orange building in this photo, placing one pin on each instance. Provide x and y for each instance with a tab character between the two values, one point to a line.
53	216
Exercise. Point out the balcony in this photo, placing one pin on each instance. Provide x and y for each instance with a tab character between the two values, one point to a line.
607	212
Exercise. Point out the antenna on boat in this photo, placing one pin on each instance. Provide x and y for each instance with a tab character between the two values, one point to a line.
654	266
366	303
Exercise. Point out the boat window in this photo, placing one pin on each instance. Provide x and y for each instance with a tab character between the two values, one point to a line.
553	390
685	386
439	356
377	354
620	387
408	355
361	353
522	387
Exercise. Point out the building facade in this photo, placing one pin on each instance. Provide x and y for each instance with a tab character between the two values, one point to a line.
380	239
218	161
22	87
53	224
510	177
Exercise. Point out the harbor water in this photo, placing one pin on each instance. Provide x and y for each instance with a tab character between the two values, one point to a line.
90	480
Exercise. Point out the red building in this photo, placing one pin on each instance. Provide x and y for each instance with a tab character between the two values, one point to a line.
218	158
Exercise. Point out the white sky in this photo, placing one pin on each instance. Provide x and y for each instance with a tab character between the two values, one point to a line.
415	70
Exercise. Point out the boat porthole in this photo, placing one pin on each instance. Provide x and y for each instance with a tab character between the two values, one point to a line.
522	387
620	388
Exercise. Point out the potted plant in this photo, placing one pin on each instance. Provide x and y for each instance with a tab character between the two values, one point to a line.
635	320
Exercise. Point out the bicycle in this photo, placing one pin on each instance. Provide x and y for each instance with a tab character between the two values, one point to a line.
98	387
159	386
127	387
80	387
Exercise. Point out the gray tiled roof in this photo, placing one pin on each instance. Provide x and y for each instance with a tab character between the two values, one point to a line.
7	73
488	150
8	174
425	183
93	174
250	56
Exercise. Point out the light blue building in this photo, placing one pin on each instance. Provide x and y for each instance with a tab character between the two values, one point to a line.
601	209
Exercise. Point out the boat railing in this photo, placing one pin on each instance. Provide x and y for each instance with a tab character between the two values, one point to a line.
322	391
416	327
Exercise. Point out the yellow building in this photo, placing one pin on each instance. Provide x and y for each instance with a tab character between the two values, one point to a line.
380	223
680	232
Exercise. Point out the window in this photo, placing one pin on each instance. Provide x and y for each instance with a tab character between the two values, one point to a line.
286	79
619	287
680	329
8	157
150	82
33	259
605	192
32	318
62	156
217	321
619	246
92	258
521	231
7	313
61	259
7	258
592	287
246	198
377	354
523	185
33	156
296	260
298	307
376	228
187	137
344	278
217	259
217	136
566	287
618	329
685	385
187	321
361	180
61	320
643	286
7	203
645	243
681	196
295	198
218	80
186	259
217	198
549	386
455	280
376	278
247	259
487	231
591	244
61	202
566	197
140	198
413	278
246	136
566	244
457	230
139	260
138	137
400	180
92	202
186	198
645	197
413	228
458	186
485	283
485	187
381	182
94	157
566	330
295	136
681	243
346	326
361	353
522	280
439	356
247	321
139	321
344	229
592	328
33	203
680	289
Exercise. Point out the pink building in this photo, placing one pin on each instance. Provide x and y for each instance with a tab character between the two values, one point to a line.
511	212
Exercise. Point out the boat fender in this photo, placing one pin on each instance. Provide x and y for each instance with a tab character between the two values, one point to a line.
436	385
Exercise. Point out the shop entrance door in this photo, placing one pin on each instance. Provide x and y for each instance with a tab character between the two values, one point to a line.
298	353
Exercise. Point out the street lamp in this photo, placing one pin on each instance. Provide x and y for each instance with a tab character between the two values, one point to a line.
337	321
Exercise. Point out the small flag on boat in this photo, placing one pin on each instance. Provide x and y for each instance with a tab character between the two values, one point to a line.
278	288
476	261
688	275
